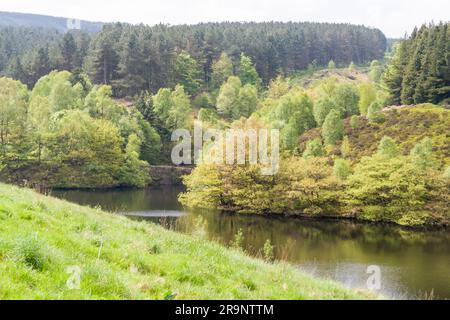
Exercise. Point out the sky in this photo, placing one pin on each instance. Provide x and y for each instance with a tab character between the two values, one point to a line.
393	17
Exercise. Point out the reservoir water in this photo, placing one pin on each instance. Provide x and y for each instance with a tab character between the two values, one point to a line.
412	263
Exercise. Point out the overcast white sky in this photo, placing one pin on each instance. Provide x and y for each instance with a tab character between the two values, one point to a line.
393	17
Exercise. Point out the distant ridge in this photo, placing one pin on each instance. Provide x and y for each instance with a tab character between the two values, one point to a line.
13	19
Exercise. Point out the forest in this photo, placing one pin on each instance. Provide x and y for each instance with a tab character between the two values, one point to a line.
135	58
109	115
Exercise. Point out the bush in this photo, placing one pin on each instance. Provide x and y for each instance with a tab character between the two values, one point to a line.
354	122
388	148
422	154
314	148
447	173
238	242
342	169
392	189
375	113
345	147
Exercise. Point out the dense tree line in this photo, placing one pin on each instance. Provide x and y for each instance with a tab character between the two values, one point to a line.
67	132
136	58
419	71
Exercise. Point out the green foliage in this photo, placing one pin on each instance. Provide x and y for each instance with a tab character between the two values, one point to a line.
238	242
13	115
278	87
247	72
203	188
346	99
376	71
322	108
352	66
446	174
354	122
68	137
375	113
314	148
345	147
303	186
333	128
173	108
135	171
187	73
342	169
236	101
203	100
391	189
268	251
422	154
133	58
368	95
388	148
418	71
331	65
222	69
228	99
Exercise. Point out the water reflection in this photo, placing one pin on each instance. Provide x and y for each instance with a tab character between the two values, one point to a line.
413	263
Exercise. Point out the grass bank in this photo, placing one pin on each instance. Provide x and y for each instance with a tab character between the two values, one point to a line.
41	237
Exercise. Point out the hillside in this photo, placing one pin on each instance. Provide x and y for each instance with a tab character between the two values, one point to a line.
40	237
407	125
13	19
343	75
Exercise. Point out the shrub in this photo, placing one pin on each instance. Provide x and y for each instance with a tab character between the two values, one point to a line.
388	148
314	148
375	113
342	169
447	173
354	122
345	147
238	242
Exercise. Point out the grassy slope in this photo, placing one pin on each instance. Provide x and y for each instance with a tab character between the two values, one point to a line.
407	125
41	236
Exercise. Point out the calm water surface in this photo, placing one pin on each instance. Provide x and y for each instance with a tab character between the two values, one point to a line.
413	263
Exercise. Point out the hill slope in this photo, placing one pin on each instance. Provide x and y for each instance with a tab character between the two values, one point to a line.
13	19
40	237
406	124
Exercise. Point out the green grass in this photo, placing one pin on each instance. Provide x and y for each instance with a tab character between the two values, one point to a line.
41	237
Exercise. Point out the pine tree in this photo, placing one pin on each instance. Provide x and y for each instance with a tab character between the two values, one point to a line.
247	72
102	60
187	73
68	50
40	66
